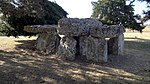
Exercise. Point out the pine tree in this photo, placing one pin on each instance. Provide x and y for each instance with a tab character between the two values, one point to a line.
147	12
116	12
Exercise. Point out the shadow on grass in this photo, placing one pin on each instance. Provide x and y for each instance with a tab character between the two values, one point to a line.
26	44
26	65
138	44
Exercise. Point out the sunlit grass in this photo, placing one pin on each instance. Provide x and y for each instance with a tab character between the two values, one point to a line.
138	43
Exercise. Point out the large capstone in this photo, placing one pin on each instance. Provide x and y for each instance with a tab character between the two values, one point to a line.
107	31
41	28
77	27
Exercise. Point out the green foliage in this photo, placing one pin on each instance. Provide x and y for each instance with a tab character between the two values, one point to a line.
3	27
147	12
29	12
116	12
148	1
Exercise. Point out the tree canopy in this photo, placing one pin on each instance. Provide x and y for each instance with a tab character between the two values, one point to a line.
147	12
19	13
116	12
148	1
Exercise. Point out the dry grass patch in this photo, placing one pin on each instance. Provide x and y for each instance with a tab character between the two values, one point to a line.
138	45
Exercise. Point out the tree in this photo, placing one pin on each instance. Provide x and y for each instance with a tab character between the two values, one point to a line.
116	12
148	1
19	13
147	13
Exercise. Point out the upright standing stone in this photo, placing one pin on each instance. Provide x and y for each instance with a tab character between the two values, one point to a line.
94	49
105	56
48	42
116	45
67	48
120	44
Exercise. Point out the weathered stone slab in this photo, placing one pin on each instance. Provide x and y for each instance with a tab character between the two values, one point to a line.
107	31
40	28
48	39
67	48
116	45
94	49
48	42
120	44
77	27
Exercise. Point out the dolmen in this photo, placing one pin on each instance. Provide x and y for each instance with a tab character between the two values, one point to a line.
86	39
48	39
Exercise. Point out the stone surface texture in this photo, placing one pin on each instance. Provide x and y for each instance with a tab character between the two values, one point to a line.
93	48
83	37
107	31
48	39
67	48
41	28
92	44
47	42
116	45
77	27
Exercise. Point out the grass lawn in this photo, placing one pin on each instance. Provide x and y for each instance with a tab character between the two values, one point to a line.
21	63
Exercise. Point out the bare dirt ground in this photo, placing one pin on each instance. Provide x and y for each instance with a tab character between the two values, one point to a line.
21	63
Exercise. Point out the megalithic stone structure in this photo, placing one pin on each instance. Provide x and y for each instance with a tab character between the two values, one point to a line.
48	39
92	34
86	38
